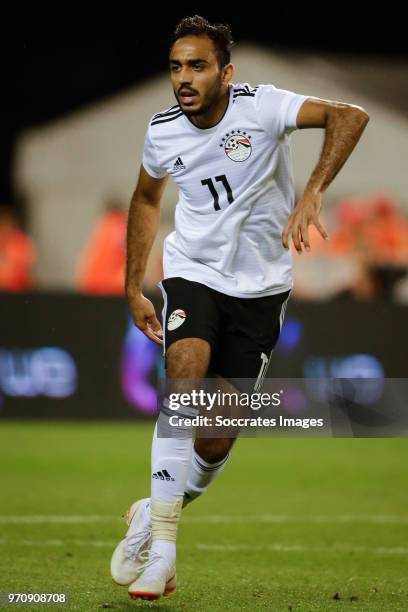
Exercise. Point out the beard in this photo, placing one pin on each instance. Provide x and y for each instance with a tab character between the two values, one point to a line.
204	107
194	112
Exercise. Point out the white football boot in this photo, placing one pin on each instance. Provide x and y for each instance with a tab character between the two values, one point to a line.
125	563
158	578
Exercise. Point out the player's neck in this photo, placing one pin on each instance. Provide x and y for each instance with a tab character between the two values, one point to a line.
214	115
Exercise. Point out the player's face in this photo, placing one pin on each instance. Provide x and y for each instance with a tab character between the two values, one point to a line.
197	78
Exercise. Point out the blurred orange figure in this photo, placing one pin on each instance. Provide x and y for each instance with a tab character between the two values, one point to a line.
17	254
375	234
374	225
101	269
387	231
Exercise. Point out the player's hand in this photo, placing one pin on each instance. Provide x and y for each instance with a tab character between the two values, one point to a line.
144	317
305	213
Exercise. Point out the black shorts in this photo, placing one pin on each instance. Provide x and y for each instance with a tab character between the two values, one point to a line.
242	332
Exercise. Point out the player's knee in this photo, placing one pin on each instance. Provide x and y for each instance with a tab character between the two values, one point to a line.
213	450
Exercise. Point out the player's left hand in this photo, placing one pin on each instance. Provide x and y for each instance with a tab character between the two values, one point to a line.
306	212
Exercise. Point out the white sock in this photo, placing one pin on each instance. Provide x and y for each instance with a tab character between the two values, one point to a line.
200	475
170	461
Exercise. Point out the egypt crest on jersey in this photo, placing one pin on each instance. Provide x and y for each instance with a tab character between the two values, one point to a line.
237	145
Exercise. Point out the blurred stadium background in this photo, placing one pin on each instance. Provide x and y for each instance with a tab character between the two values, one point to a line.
72	363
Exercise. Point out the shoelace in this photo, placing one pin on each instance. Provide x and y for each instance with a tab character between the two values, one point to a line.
135	541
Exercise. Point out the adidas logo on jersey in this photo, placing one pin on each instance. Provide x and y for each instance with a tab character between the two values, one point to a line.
178	165
162	475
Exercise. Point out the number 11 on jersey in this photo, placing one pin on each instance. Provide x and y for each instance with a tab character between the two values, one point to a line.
220	179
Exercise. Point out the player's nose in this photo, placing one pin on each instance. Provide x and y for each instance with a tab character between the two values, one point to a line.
184	76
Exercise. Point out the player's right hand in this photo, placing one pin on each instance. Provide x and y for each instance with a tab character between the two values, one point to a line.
144	317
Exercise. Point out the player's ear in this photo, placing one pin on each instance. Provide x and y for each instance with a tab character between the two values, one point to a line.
227	73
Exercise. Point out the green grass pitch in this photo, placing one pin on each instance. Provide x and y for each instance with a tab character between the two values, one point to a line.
291	524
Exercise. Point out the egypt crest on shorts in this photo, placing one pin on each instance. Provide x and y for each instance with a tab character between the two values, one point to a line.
176	319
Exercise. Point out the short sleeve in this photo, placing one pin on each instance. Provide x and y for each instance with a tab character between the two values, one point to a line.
150	160
277	109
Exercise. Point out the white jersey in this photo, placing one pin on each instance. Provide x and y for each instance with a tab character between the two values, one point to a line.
236	191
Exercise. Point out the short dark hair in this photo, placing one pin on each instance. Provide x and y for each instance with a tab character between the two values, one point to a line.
219	33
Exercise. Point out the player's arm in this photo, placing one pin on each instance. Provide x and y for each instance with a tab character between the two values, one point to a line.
343	124
142	225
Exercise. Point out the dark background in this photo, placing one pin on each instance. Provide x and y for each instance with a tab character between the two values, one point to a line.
312	334
56	64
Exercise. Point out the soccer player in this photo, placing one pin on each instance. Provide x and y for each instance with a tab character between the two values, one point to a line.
227	265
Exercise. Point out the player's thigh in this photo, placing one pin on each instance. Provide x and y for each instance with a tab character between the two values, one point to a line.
188	358
190	325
